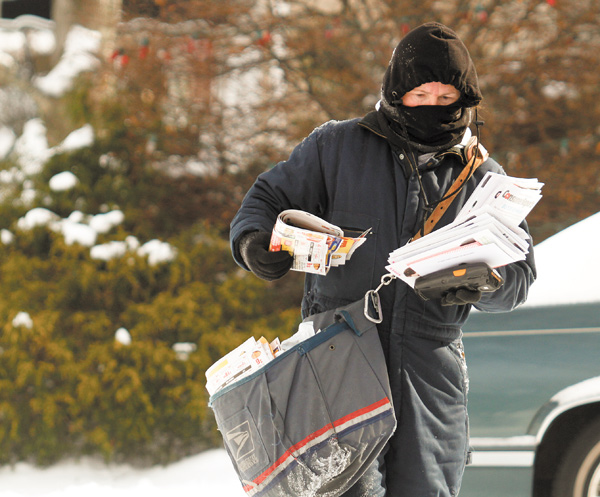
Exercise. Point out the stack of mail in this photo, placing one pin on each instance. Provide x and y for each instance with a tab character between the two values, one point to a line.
485	230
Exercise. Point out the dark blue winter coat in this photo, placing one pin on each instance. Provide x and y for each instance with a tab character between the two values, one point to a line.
347	173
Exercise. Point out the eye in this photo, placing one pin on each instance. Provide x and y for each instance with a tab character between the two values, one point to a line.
448	98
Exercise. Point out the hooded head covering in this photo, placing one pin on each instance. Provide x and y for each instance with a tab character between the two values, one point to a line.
430	53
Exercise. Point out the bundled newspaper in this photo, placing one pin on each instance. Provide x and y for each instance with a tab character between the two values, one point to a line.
315	244
485	230
250	357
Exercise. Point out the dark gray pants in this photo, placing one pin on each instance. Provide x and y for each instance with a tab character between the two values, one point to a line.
427	454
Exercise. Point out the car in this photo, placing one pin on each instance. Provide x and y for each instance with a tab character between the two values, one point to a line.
534	391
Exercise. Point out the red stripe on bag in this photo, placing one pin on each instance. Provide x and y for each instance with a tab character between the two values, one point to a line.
362	411
306	443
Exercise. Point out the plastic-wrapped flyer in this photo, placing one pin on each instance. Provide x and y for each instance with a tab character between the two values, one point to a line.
251	356
239	363
315	244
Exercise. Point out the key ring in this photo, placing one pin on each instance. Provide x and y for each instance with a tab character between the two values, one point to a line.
372	297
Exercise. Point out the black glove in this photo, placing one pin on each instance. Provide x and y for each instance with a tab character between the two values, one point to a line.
269	266
461	296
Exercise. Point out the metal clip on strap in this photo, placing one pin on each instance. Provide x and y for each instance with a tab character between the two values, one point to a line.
372	299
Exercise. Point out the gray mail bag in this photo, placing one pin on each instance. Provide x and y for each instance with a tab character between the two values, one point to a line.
313	419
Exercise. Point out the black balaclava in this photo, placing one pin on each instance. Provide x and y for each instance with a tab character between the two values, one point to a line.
430	53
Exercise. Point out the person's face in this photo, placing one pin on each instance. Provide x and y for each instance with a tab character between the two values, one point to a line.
431	94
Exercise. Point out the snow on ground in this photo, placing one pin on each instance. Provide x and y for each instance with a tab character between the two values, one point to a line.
206	475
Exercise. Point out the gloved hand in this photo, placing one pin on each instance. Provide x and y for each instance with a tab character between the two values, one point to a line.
269	266
461	296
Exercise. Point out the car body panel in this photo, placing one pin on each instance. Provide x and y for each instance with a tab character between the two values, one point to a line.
525	368
497	482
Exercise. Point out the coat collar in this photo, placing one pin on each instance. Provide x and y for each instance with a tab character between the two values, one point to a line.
371	123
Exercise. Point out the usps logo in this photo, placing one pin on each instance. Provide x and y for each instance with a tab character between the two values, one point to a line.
240	440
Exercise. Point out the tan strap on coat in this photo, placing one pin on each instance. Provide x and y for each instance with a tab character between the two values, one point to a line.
476	155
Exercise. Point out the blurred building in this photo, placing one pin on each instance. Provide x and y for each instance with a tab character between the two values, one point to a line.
11	9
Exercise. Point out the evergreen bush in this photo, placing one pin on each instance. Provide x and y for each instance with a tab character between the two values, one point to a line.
67	386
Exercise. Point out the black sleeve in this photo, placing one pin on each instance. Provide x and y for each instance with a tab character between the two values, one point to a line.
518	277
293	184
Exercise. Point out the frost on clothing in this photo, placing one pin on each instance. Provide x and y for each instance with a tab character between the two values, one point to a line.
315	473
